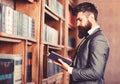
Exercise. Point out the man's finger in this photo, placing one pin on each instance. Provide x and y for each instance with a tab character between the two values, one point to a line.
61	61
57	63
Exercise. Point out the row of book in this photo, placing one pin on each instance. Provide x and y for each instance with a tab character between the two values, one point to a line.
52	68
10	69
50	35
15	22
56	7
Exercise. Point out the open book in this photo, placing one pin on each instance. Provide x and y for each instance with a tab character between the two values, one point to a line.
55	56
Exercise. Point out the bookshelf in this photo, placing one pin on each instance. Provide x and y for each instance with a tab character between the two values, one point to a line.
54	23
31	46
52	30
11	43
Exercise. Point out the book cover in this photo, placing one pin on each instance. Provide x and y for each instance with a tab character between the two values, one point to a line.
55	56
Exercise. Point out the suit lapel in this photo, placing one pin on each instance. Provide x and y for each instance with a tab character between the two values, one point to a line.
75	57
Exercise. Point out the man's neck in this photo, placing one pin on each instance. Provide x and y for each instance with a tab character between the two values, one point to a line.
93	29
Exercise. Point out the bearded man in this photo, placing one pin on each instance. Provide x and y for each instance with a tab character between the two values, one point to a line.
91	56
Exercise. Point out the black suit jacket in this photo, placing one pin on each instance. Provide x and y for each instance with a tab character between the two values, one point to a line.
90	60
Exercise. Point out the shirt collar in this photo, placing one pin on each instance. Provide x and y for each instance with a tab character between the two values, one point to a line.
93	29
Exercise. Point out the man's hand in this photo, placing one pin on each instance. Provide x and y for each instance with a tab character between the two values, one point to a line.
62	64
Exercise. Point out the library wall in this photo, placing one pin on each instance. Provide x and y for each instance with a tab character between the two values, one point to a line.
109	15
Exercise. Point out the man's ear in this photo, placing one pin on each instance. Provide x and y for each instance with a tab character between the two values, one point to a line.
91	17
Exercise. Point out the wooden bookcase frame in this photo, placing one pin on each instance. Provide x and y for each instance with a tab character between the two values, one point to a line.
12	44
62	28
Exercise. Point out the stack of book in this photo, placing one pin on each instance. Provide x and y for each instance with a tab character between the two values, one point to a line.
59	9
14	22
52	68
56	7
6	19
10	69
50	35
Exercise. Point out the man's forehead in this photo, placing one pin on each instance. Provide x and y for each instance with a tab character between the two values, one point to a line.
80	14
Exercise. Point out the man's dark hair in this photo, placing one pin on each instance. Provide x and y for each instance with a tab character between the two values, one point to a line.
86	7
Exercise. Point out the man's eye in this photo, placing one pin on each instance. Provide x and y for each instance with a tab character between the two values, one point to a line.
79	20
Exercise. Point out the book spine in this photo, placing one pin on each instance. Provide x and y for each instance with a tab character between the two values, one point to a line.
16	66
29	67
0	17
6	79
17	70
24	25
51	35
9	20
50	68
33	28
30	27
15	17
3	18
59	9
6	71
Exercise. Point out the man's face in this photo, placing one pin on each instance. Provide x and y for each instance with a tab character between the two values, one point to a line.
83	24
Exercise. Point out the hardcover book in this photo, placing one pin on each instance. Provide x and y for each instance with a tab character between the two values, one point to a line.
6	71
16	75
2	17
55	56
8	20
29	67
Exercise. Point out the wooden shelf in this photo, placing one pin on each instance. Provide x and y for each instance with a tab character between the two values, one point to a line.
15	37
9	40
58	21
30	83
51	15
55	79
29	43
53	45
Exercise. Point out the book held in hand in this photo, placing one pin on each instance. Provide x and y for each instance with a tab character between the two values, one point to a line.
55	56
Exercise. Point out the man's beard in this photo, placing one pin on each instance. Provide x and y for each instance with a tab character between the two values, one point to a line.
83	31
